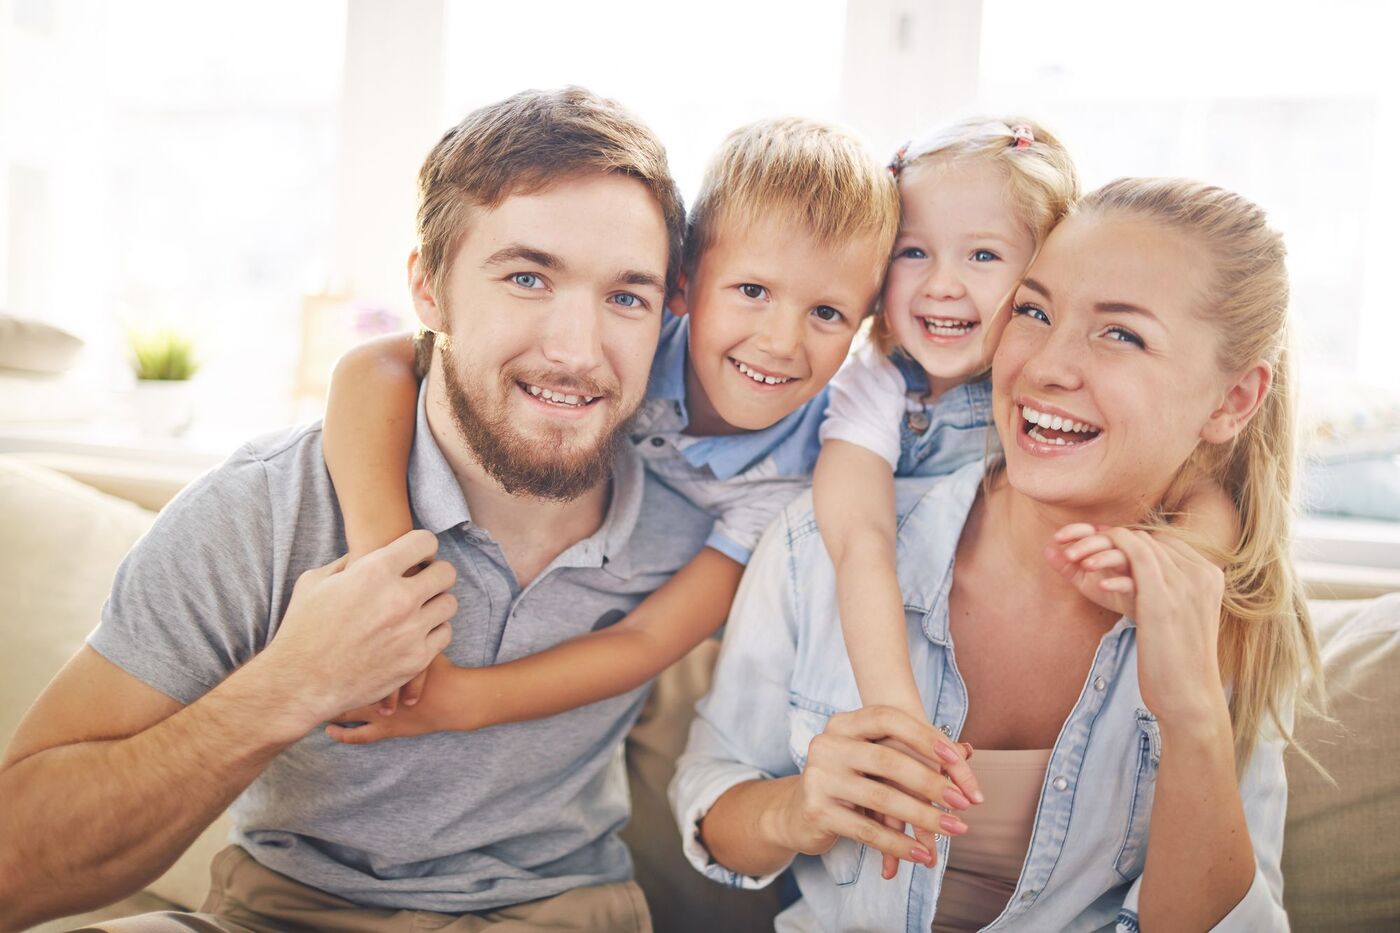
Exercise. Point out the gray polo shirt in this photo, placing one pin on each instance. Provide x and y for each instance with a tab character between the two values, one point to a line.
449	822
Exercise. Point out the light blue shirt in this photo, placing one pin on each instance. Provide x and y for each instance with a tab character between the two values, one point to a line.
784	671
741	480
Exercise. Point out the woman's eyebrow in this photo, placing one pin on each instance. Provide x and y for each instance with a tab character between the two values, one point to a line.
1035	286
1123	307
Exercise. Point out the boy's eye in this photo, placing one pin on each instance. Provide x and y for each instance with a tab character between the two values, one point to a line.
1031	311
984	255
527	280
1123	335
753	291
911	252
828	313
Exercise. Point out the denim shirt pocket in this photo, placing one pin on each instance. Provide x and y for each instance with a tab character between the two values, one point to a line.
806	721
941	451
1133	852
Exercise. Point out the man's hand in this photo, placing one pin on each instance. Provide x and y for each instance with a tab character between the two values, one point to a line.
353	635
441	707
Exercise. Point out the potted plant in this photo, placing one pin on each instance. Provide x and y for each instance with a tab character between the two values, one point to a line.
164	362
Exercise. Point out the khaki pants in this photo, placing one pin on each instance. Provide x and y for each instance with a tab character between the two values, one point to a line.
682	900
245	897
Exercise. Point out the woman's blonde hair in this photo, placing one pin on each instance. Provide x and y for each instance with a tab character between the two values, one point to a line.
1266	638
1042	183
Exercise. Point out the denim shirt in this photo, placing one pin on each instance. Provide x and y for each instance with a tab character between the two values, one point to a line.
783	672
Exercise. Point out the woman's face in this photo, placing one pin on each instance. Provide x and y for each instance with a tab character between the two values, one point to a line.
1106	376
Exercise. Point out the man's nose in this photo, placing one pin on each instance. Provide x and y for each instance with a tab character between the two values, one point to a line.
573	334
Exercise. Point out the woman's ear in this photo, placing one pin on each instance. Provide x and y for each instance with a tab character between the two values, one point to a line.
424	302
1241	401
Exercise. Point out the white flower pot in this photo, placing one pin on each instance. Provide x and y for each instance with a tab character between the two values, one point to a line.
163	407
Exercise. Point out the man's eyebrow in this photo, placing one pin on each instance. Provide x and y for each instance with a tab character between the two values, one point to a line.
517	252
1035	286
637	277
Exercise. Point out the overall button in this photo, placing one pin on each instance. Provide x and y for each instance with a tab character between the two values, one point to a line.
1059	783
658	442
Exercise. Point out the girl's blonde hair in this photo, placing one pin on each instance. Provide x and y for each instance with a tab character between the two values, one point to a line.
1266	638
1041	179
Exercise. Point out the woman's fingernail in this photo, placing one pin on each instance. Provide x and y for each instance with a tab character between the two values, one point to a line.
920	854
947	753
954	798
412	701
951	824
977	796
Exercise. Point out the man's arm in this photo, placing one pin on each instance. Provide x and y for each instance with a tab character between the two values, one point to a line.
108	780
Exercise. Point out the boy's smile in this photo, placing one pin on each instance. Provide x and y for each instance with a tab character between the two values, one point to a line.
773	312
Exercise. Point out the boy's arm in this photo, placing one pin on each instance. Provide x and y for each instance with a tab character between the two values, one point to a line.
367	436
853	494
607	663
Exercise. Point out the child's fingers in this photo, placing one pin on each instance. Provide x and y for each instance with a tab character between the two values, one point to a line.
356	735
1105	560
387	705
1122	585
412	691
889	864
1086	546
1074	532
967	750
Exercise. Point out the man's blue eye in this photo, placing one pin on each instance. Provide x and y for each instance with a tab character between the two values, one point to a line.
753	291
827	313
1027	310
628	300
984	255
526	279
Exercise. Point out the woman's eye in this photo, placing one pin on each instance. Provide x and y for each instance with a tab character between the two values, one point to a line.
1028	310
827	313
984	255
1124	335
753	291
527	280
911	252
629	300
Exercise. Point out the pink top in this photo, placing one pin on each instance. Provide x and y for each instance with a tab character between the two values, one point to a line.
984	864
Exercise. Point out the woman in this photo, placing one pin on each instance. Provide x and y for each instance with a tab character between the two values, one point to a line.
1128	700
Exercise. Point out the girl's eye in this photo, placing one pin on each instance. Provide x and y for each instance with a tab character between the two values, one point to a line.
753	291
984	255
828	313
1029	310
629	300
527	280
1123	335
911	252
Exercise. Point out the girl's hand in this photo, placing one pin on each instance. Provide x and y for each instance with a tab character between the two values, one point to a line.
853	786
1174	594
437	709
1085	556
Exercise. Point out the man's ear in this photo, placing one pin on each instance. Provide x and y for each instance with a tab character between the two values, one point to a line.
679	302
425	304
1241	402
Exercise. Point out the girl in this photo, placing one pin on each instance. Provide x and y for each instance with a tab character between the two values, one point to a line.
1143	778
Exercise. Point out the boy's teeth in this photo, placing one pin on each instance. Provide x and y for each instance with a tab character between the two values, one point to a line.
759	377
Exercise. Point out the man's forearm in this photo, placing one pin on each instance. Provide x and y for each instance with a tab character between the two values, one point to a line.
125	809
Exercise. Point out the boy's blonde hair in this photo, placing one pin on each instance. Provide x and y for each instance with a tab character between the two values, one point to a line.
1041	179
524	144
821	176
1266	639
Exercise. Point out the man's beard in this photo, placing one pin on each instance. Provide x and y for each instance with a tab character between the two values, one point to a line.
543	468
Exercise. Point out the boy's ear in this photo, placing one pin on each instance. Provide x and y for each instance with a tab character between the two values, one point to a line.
1241	402
424	302
678	302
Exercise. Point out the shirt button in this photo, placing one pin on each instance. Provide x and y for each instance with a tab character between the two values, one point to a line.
1028	895
1098	683
1059	783
946	730
658	442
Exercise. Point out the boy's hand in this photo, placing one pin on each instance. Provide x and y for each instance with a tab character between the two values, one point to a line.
439	708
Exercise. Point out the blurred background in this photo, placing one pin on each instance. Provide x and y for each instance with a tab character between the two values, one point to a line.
203	203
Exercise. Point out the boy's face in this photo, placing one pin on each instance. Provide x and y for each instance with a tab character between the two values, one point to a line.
551	310
772	314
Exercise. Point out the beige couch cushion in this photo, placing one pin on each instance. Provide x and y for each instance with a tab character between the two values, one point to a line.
60	543
1341	854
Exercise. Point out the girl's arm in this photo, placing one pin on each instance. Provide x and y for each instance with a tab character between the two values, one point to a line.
607	663
853	493
367	436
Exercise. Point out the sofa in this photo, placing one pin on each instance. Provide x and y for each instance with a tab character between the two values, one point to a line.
61	541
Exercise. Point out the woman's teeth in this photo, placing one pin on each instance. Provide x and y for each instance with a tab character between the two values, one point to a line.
947	327
1040	422
758	376
560	398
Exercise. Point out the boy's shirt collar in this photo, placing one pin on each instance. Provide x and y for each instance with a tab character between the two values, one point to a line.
792	442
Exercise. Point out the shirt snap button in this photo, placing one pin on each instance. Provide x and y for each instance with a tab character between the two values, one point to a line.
1027	895
1098	683
1059	783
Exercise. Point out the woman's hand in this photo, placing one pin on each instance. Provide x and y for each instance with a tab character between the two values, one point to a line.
853	785
1172	592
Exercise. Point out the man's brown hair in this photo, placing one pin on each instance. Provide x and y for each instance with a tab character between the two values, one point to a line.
524	144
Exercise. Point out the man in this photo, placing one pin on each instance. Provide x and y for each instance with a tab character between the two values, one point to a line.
191	693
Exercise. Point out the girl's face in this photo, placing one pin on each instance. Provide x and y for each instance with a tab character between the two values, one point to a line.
960	251
1105	379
